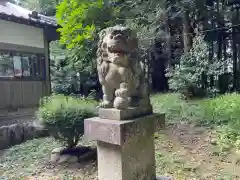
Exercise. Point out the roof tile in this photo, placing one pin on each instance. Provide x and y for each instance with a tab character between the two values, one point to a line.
20	12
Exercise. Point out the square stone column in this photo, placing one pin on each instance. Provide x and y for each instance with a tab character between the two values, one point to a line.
125	148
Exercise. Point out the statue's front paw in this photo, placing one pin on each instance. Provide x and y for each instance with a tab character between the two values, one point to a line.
121	103
121	93
105	104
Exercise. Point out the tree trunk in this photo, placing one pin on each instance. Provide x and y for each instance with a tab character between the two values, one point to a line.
187	36
234	55
168	44
220	33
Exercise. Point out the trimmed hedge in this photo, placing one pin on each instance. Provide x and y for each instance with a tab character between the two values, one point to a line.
64	116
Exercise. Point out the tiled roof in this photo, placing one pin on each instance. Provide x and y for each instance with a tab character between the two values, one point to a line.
16	11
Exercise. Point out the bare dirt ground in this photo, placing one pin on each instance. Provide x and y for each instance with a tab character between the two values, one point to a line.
81	171
192	154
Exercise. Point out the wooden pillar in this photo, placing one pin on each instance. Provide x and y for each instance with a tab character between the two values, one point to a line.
47	86
50	34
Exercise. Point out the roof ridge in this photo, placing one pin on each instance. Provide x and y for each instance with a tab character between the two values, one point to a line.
17	11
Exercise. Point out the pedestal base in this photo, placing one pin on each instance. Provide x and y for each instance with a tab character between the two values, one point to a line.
126	114
125	148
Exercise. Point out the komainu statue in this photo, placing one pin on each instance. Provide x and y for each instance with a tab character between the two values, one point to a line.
119	69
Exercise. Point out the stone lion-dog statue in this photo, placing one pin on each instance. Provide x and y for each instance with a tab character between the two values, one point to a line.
119	69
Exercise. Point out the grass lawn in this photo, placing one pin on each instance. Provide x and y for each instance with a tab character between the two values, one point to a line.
184	150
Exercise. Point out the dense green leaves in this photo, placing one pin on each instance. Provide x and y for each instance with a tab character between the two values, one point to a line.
224	112
46	7
80	22
64	117
77	21
188	77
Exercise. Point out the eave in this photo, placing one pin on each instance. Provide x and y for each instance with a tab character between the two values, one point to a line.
30	22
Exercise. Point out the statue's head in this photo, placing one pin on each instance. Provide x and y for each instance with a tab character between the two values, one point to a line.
117	44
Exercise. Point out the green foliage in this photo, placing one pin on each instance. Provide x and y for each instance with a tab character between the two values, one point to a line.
188	77
80	22
77	21
64	117
224	111
175	108
64	81
65	78
77	31
62	73
145	17
46	7
222	114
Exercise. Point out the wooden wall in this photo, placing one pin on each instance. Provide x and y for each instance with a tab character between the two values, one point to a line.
22	94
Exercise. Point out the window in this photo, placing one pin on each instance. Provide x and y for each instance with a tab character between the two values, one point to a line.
22	65
17	65
6	65
26	66
34	65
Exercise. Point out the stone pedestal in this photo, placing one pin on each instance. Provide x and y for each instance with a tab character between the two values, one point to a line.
130	113
125	148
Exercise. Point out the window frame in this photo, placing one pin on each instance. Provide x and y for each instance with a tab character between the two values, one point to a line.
39	66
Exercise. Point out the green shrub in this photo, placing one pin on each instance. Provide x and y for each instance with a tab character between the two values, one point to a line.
191	76
64	117
224	112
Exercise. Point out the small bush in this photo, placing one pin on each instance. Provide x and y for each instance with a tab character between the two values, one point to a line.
64	117
224	111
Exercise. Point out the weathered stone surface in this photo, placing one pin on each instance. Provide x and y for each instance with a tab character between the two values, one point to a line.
117	132
130	113
133	160
125	131
5	140
29	132
17	133
34	130
60	159
78	154
57	150
67	159
164	178
40	131
125	148
119	70
9	135
54	157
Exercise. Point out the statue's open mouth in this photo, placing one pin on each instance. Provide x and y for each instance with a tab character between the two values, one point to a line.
117	51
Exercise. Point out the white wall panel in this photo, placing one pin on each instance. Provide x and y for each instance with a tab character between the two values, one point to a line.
19	34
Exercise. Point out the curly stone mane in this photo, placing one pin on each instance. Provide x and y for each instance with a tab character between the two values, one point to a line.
131	41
